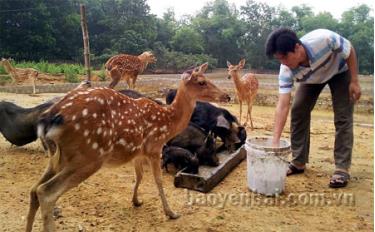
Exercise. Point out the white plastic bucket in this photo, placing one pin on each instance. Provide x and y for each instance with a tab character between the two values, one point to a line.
266	166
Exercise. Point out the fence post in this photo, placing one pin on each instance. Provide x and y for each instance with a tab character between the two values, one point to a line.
86	45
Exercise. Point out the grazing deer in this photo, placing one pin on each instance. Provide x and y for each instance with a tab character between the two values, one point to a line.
91	127
246	88
127	66
20	74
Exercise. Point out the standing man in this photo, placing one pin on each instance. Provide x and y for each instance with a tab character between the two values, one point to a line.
319	58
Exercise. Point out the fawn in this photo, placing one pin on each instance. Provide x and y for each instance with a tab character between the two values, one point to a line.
246	87
20	74
127	66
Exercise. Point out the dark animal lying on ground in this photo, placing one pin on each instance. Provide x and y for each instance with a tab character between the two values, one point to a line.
218	120
194	139
181	158
135	95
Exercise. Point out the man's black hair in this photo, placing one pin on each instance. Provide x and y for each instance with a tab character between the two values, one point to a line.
282	41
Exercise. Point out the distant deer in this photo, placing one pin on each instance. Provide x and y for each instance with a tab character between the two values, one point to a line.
20	74
127	66
91	127
246	88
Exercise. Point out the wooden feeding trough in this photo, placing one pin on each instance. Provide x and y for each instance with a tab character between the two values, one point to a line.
208	177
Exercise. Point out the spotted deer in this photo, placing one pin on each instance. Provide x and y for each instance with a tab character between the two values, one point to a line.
246	87
127	67
19	75
91	127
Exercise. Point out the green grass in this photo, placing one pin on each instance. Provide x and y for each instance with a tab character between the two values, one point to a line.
71	76
5	79
44	66
101	75
2	70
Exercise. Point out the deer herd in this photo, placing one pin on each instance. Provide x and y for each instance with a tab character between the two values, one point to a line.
91	127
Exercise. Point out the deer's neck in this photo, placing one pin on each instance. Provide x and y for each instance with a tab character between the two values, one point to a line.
8	67
144	63
181	110
236	80
143	66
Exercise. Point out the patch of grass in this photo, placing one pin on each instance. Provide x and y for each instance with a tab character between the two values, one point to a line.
2	70
101	75
5	79
44	66
71	76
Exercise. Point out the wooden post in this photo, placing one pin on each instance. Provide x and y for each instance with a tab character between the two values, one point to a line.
86	45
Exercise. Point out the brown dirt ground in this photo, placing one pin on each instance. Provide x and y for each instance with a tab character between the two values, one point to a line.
103	202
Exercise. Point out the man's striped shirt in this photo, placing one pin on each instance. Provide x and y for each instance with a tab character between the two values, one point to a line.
327	52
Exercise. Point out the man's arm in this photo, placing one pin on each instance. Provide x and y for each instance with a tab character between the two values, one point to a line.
281	115
354	87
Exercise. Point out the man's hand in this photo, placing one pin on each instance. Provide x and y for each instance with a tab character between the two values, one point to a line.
354	91
275	142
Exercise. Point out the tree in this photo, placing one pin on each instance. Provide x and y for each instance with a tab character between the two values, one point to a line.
358	26
166	28
25	33
301	12
120	26
187	40
321	20
258	21
221	30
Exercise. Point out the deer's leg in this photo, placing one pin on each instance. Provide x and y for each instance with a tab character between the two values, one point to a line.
156	170
249	109
49	192
34	202
116	76
14	77
240	110
134	79
138	175
34	89
128	81
247	112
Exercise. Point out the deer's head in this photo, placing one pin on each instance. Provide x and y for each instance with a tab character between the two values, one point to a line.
200	88
234	69
147	57
3	60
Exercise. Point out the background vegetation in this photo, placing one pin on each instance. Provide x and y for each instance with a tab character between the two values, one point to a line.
39	30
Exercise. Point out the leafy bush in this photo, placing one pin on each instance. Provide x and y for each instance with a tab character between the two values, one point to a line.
101	75
45	67
2	70
179	62
71	76
5	79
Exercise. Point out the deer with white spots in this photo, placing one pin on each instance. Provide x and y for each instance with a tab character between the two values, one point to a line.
97	126
246	88
127	67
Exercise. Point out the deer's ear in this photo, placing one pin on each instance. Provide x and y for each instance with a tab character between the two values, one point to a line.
185	76
228	64
203	68
242	63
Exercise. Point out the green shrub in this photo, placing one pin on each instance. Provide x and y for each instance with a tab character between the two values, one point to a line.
5	79
101	75
45	67
2	70
71	76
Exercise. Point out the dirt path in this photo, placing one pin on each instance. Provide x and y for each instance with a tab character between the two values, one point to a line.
103	202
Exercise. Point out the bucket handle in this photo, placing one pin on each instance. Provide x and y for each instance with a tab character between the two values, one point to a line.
277	156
